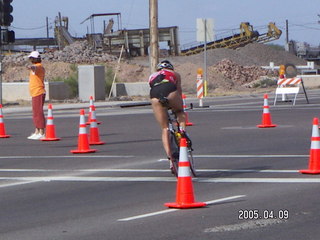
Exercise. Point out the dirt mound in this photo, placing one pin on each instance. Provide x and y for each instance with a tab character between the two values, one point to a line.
228	69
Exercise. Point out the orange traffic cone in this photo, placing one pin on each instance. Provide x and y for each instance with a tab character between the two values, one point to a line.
83	143
94	138
314	159
184	194
266	116
185	110
90	111
2	127
50	128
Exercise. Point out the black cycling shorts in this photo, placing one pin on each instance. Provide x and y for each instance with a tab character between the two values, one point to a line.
162	90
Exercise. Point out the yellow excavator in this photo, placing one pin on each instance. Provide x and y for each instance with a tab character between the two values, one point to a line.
247	35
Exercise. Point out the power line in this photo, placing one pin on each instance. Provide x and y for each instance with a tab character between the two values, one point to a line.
32	28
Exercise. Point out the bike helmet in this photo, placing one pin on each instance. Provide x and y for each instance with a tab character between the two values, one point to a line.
165	64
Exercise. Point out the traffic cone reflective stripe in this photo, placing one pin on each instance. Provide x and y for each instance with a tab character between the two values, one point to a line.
2	126
266	116
94	138
91	104
50	128
83	142
184	192
314	158
185	110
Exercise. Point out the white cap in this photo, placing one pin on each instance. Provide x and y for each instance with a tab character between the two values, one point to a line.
34	54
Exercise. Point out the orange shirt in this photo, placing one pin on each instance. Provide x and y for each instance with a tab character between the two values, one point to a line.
36	80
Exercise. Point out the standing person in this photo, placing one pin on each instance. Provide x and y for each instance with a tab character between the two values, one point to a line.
38	94
166	84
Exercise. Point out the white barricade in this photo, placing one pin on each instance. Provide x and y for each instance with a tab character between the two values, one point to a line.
288	86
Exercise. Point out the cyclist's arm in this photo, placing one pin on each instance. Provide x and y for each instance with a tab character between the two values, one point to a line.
178	78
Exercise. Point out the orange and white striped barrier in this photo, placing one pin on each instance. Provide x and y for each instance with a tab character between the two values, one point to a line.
314	159
2	126
184	192
185	110
200	86
288	86
83	142
266	116
50	128
94	137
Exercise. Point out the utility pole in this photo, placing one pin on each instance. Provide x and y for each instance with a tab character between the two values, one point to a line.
154	38
205	59
287	31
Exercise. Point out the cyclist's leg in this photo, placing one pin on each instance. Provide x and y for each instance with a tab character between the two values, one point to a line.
176	103
161	116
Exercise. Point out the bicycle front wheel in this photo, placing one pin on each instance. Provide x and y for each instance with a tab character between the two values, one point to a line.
175	153
192	164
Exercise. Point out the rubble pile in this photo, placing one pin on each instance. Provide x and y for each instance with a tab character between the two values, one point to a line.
79	52
238	73
76	53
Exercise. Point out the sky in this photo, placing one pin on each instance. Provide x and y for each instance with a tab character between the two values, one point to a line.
30	16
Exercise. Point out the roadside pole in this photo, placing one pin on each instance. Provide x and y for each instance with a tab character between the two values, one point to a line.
1	79
205	57
154	39
205	34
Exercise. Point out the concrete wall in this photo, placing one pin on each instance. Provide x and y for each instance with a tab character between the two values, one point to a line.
131	89
310	81
20	91
61	91
91	82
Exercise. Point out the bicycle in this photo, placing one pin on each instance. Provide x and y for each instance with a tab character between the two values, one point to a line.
174	140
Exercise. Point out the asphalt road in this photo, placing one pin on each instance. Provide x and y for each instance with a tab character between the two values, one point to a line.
248	176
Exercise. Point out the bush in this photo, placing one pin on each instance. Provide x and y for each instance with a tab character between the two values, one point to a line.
71	81
109	75
264	83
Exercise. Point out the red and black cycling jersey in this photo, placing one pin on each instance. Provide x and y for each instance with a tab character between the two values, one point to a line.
162	76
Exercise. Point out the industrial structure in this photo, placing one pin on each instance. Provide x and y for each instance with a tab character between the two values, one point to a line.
136	42
246	35
304	50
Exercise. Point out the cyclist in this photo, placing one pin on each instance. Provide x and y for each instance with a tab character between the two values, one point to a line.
165	86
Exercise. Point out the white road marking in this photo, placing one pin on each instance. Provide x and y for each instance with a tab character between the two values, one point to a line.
160	160
85	170
66	156
242	156
15	184
129	170
260	180
147	215
159	179
173	210
249	170
90	179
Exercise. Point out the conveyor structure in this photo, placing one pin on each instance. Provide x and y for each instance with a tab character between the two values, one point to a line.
247	35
